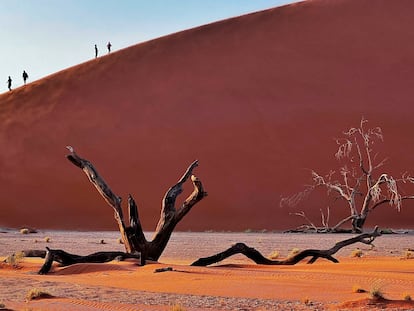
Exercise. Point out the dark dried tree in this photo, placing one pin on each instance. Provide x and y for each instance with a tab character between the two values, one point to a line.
67	259
359	182
132	234
314	254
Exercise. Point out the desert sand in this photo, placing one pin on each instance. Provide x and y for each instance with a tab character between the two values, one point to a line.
258	99
236	284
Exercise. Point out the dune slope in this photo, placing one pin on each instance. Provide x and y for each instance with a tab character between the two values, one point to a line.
258	99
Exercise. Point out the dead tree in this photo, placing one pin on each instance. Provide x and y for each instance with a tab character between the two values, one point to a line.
360	184
257	257
132	234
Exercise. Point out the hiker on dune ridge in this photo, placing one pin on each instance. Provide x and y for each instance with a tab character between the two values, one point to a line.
9	83
25	76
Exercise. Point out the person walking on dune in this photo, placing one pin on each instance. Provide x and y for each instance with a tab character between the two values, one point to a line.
109	45
25	76
9	82
96	51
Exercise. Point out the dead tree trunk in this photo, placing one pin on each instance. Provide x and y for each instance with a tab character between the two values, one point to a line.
257	257
132	234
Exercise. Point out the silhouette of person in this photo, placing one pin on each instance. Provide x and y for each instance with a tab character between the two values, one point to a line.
96	51
9	82
109	45
25	76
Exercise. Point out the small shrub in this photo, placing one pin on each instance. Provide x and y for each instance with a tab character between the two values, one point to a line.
47	239
177	307
24	231
386	231
14	259
407	297
102	242
376	292
408	254
357	253
358	289
27	230
293	252
36	293
274	255
307	301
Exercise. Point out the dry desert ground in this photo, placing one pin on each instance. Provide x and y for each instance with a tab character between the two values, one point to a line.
234	284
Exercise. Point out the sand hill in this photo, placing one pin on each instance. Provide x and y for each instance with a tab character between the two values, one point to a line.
258	99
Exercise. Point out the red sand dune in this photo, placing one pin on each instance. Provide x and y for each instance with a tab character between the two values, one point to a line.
257	99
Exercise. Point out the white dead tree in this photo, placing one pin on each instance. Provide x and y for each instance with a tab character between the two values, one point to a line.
359	182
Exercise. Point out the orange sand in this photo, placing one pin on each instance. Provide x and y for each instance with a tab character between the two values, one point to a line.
97	285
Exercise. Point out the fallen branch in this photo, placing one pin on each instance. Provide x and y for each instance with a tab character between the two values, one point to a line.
163	269
67	259
258	258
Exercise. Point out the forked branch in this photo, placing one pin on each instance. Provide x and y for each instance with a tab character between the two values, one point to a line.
111	198
133	235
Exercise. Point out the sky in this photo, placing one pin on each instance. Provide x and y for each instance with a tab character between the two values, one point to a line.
46	36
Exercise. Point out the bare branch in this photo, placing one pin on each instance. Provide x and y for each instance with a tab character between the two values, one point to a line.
67	259
135	223
295	199
406	178
111	198
389	201
170	216
197	195
168	212
344	149
168	203
337	189
394	197
303	215
361	159
325	219
343	221
380	164
257	257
